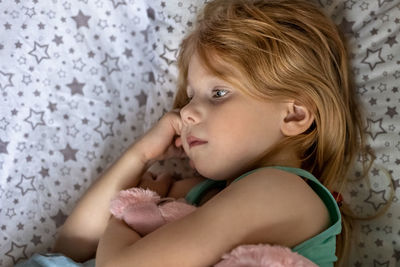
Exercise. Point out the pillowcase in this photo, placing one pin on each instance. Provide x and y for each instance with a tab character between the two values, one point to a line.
81	80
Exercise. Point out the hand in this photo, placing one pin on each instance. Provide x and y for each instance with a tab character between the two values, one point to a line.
160	183
163	140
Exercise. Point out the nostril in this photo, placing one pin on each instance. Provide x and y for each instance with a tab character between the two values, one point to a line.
188	114
189	119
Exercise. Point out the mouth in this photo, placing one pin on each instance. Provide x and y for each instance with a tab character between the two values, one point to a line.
194	141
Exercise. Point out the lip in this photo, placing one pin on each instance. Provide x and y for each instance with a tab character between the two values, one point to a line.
194	141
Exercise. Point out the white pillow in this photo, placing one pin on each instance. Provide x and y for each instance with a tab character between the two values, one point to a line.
81	80
372	28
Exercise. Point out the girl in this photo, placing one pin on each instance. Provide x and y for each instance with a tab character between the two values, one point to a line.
264	95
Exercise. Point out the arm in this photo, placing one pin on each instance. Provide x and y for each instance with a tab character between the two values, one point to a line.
263	208
79	236
164	185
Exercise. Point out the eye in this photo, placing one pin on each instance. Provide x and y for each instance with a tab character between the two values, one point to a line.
218	93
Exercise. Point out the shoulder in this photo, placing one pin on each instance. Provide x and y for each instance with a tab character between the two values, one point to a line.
277	183
274	206
268	183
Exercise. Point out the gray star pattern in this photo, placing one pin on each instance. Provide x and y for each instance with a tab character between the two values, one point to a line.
169	55
76	87
69	153
81	20
3	146
373	58
347	26
111	64
117	3
80	80
39	52
105	129
376	199
26	184
17	252
141	98
372	128
59	218
35	118
5	80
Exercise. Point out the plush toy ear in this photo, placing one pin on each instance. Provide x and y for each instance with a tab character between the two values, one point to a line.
298	119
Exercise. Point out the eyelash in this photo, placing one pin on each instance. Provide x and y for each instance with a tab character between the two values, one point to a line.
216	91
214	94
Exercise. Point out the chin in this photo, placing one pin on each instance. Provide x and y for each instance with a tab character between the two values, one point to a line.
217	172
212	174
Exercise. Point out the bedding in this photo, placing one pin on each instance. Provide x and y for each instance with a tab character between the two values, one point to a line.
81	80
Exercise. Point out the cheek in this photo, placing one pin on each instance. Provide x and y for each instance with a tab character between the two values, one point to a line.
228	118
232	137
245	132
227	132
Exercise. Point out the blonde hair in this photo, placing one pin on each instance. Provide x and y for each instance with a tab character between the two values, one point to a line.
280	50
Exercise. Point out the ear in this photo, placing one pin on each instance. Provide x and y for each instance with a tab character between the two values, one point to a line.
297	120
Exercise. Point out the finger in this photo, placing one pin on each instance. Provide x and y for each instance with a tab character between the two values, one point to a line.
164	177
145	183
160	183
148	176
177	152
147	180
178	142
172	152
176	123
164	181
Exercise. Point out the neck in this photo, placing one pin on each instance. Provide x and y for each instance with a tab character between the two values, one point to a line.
285	157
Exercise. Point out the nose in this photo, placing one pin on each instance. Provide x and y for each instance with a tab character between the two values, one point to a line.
190	114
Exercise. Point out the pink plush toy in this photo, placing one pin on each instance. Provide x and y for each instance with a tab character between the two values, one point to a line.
144	211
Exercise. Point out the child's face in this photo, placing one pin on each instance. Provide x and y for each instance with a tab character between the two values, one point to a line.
224	130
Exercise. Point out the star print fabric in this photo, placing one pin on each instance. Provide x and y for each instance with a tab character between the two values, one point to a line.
81	80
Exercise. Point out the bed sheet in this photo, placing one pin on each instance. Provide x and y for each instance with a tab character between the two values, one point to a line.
81	80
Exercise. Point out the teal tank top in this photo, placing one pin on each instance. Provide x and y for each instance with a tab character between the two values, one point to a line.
321	248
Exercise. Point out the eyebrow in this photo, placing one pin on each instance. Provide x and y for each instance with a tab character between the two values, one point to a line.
211	80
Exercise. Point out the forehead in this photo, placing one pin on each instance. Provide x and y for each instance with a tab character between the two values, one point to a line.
211	70
199	73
